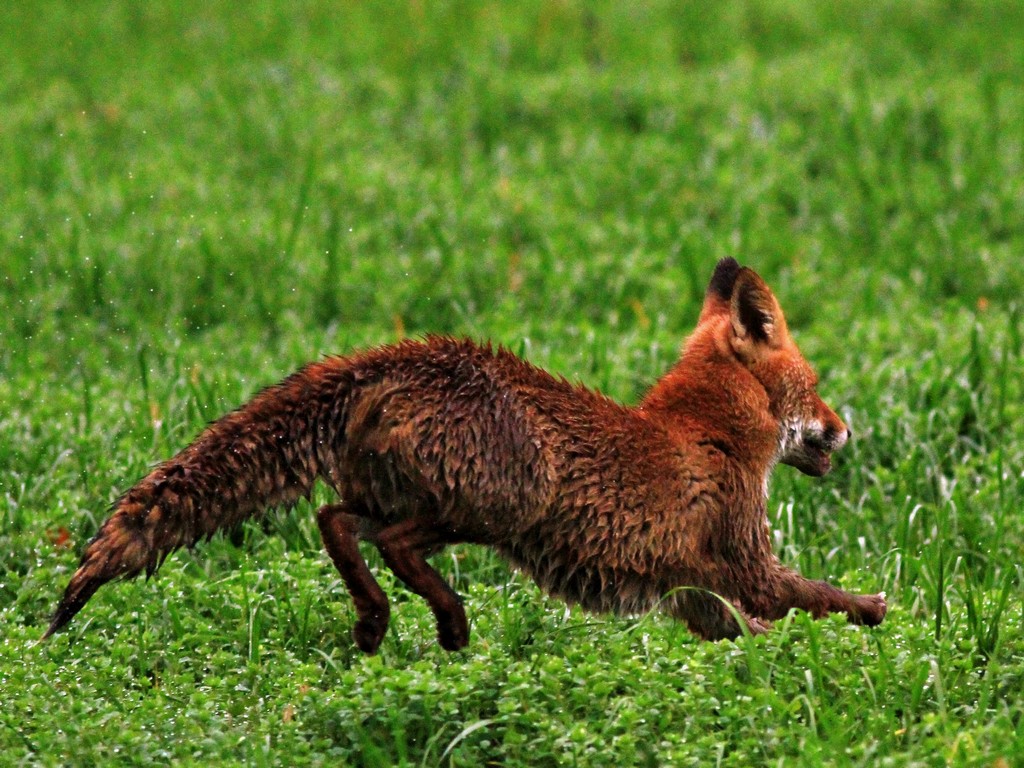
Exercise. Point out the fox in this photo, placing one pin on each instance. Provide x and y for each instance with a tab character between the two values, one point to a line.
438	441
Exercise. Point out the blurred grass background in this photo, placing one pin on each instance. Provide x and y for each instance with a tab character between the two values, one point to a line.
198	197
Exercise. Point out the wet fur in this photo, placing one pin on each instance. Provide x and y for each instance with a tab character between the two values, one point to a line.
435	442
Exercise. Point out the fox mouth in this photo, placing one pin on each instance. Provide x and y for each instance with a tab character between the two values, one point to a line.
819	462
814	459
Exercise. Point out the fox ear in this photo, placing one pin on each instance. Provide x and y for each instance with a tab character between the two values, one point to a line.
755	313
719	292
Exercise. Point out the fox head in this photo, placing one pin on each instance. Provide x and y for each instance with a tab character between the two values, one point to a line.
757	337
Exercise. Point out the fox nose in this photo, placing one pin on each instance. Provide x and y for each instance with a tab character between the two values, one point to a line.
837	437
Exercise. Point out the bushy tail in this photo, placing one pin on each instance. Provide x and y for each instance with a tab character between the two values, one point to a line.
263	454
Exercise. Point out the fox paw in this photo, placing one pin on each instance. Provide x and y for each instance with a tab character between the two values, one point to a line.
758	626
369	632
453	635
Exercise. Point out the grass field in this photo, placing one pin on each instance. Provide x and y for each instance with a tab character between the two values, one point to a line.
198	197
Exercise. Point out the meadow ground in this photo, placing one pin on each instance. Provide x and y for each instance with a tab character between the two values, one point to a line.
198	197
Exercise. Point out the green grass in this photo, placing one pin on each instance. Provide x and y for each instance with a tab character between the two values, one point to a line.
197	198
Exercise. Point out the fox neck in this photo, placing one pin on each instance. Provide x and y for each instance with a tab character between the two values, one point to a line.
709	396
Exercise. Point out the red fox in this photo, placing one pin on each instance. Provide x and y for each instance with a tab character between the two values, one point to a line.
433	442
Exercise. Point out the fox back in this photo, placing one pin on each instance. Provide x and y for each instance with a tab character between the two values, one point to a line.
435	442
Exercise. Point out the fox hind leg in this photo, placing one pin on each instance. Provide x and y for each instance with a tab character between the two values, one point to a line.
404	547
339	528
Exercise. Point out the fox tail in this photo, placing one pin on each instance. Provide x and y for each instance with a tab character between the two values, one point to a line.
263	454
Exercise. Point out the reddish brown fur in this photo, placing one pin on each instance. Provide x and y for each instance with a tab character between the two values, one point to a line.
442	441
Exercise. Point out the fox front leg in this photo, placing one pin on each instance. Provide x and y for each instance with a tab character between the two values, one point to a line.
712	617
783	589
